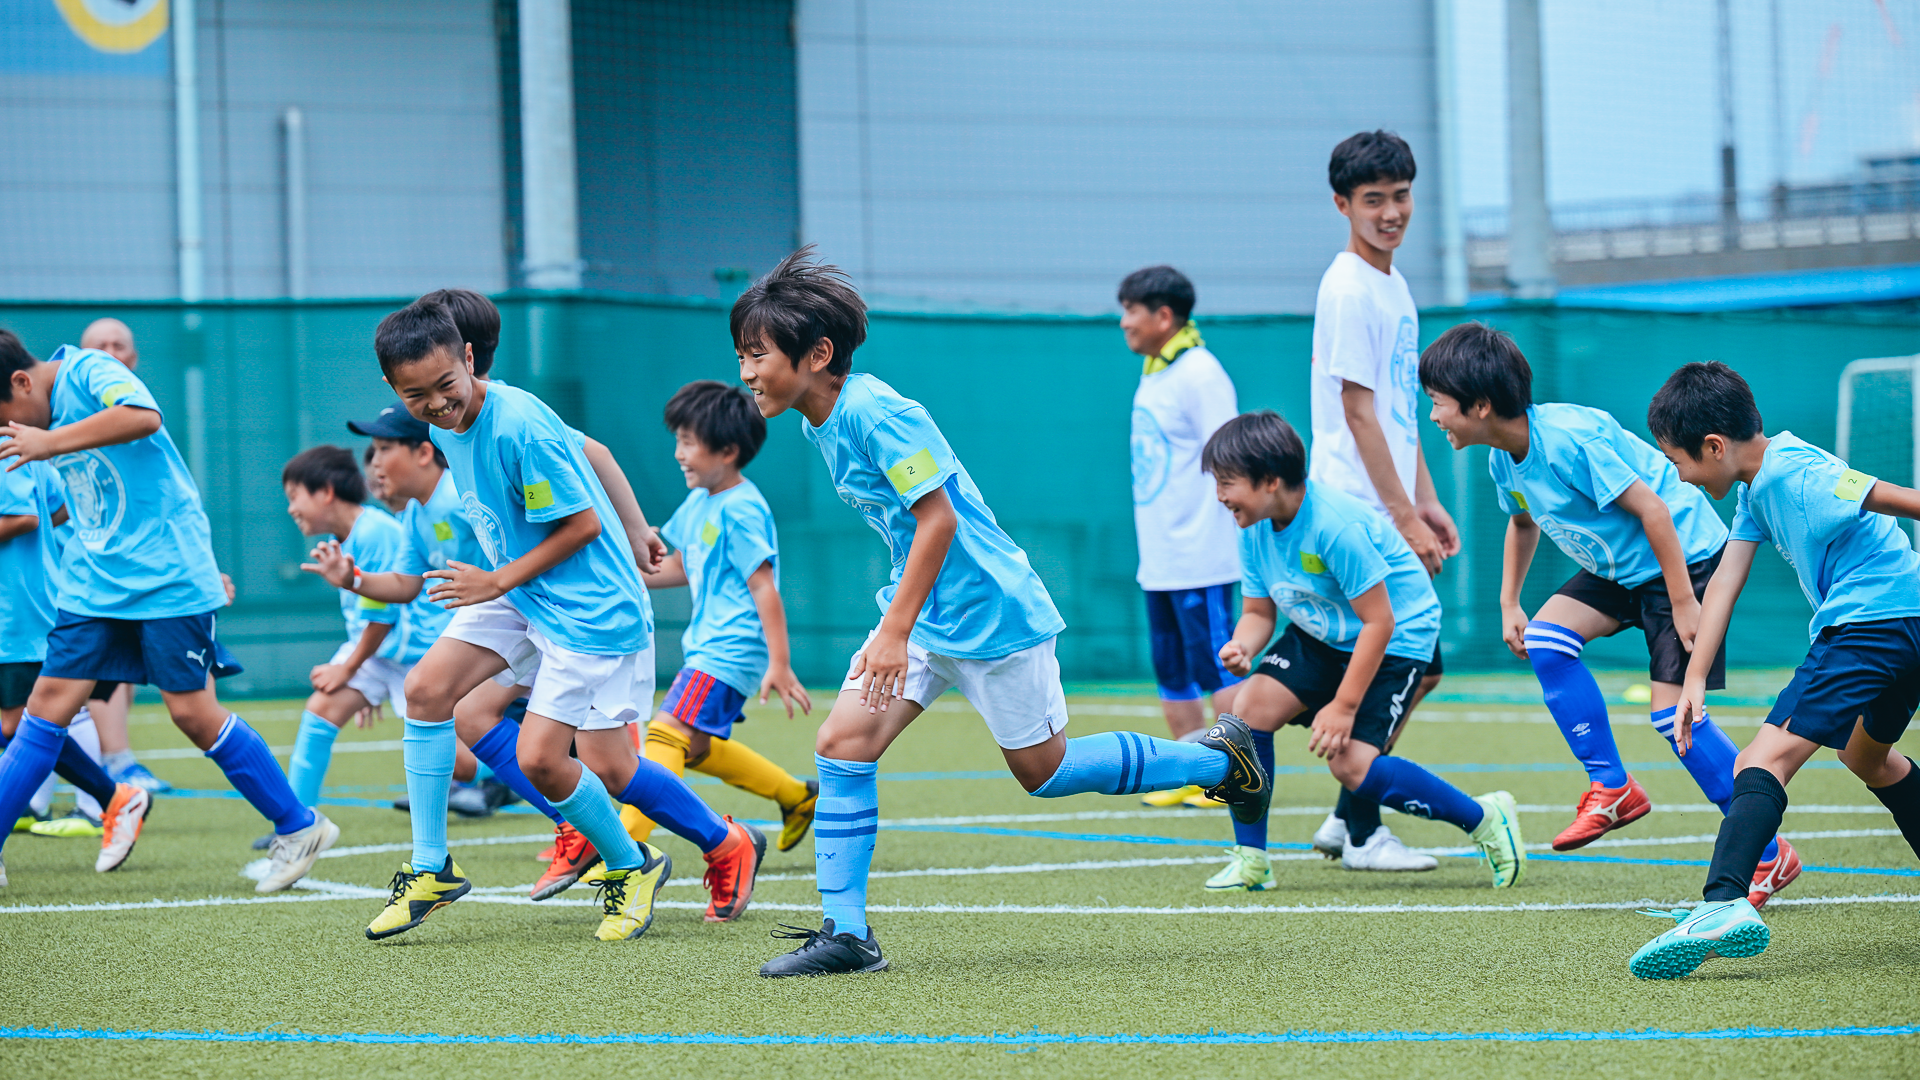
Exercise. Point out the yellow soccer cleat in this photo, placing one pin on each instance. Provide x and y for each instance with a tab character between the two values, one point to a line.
1172	797
1199	801
626	896
416	895
795	820
74	824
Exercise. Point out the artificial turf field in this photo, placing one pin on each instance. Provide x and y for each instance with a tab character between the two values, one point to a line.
1034	921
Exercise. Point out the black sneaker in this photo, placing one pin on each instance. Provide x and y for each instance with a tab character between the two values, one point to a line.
403	804
824	952
263	843
497	792
468	801
1247	790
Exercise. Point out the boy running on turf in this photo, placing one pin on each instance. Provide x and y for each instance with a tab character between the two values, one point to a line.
1646	543
1366	418
558	603
726	551
962	608
1362	622
1860	683
138	593
1188	563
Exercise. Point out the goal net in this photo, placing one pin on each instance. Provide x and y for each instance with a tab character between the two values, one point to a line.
1879	424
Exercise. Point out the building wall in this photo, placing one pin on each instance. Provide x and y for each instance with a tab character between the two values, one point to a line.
1028	155
404	168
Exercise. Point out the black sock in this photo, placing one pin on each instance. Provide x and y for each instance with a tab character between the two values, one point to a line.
1753	817
1903	798
1343	805
1362	816
76	768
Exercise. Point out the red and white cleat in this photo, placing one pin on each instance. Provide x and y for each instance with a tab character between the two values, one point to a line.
1774	874
126	815
573	856
1602	810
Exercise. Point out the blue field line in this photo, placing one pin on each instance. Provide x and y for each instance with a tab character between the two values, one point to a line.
899	1038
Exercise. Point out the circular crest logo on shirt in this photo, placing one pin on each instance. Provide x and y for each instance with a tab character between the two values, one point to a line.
1404	372
1152	457
96	496
1315	614
486	527
1584	547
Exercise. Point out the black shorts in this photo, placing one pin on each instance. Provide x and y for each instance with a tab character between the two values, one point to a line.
1648	607
1312	669
16	682
1854	670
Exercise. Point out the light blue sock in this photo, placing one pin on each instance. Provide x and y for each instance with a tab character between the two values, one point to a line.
427	751
498	751
26	764
243	755
591	811
845	824
1127	763
482	771
1574	700
1709	761
312	753
1255	835
1410	789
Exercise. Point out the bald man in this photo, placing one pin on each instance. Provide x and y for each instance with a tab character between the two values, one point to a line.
111	336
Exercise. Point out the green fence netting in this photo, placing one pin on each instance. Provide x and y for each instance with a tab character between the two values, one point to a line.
1036	406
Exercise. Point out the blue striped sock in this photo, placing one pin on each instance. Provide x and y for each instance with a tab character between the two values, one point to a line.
845	823
427	752
1574	700
1410	789
1127	763
592	812
312	753
498	750
1255	835
1709	761
243	755
27	762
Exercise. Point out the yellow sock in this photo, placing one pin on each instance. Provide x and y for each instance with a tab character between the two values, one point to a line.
664	746
742	766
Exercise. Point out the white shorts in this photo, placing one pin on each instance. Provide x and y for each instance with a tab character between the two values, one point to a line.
379	680
1019	695
592	693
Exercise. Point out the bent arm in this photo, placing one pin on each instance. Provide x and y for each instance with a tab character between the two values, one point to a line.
569	535
391	587
1523	539
1376	629
1716	609
1258	617
1641	501
933	530
13	525
108	427
1371	441
773	615
371	637
672	573
1892	500
626	506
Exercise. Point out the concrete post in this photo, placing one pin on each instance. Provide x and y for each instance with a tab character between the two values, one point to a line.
293	126
549	183
186	154
1446	105
1529	225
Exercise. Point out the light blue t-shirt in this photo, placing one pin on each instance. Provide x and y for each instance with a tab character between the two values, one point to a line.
723	539
885	454
376	544
142	548
29	562
1854	565
437	533
1334	549
518	469
1579	460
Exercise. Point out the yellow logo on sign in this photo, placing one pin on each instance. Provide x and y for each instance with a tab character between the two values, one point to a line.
1853	486
1312	564
539	496
913	472
709	534
443	530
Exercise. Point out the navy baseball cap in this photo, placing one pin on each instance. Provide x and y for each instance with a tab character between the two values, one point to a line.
394	422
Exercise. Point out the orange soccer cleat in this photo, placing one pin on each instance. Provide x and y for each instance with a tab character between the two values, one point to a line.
1602	810
731	869
1774	874
573	855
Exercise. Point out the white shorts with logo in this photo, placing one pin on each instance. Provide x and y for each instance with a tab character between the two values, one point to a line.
379	680
1019	695
592	693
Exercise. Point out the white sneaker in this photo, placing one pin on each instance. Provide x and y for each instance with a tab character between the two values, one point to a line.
294	853
1330	839
125	816
1384	851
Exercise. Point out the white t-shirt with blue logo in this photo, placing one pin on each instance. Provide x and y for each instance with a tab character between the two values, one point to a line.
518	469
29	562
142	548
375	544
1853	565
1365	331
437	533
1579	460
1186	538
723	540
1334	549
885	454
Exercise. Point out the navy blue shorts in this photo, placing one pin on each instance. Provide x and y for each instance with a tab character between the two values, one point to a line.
1854	670
704	703
176	655
1189	626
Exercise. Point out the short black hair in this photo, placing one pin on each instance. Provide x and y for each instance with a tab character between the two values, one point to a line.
478	320
1259	446
413	332
439	458
1473	362
719	415
1699	400
1371	157
1157	287
797	305
13	357
327	468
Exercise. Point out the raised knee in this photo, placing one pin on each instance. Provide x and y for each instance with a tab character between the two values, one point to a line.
1551	646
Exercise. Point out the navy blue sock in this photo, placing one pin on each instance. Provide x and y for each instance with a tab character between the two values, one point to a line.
498	751
1410	789
1574	700
1362	817
76	768
243	755
667	799
1255	835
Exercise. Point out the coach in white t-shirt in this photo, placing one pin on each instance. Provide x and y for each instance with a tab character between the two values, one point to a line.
1189	546
1366	416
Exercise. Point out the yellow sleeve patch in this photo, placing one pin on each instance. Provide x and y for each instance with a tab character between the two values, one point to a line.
443	530
118	392
1312	564
1520	501
369	604
709	534
1853	486
913	471
539	496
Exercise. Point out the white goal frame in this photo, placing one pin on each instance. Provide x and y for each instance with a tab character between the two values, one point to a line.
1844	428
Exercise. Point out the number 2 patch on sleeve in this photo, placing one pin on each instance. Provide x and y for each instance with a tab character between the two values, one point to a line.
1853	486
540	495
1312	564
911	472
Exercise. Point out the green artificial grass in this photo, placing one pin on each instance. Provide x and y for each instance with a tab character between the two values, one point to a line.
479	968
